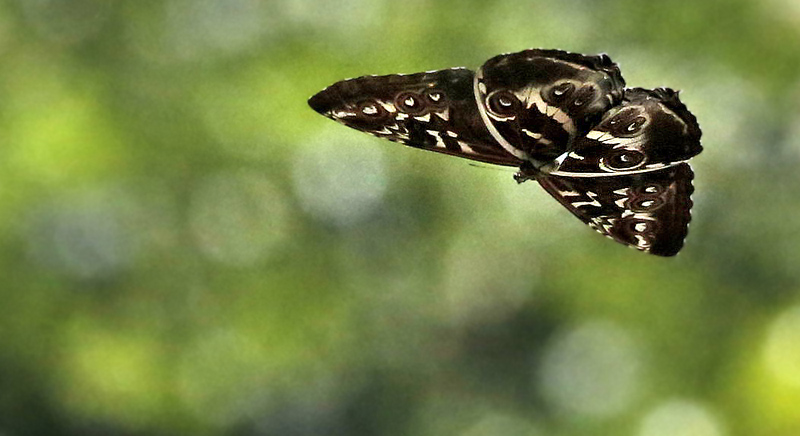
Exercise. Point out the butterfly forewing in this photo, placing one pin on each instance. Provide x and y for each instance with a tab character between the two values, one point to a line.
648	211
434	111
536	102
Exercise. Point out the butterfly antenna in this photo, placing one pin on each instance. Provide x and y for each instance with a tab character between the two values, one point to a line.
487	166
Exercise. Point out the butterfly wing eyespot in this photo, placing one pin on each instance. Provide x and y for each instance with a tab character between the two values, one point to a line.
639	225
623	159
646	204
641	231
502	103
636	125
646	198
559	93
435	98
649	189
372	109
410	103
583	97
627	123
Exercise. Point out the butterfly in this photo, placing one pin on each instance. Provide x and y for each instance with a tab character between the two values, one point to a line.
616	157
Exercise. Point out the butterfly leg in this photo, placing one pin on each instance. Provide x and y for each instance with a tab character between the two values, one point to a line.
527	171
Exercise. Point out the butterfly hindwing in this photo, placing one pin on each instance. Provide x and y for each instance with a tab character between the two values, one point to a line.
648	211
433	110
535	102
649	130
625	177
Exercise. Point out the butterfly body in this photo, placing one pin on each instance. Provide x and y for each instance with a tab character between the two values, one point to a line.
613	156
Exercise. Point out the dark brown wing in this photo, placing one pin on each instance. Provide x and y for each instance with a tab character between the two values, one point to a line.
649	211
649	130
535	102
433	111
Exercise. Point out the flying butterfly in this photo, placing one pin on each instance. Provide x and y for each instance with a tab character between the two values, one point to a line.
616	157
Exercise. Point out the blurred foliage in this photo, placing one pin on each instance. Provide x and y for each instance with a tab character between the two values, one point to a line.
187	248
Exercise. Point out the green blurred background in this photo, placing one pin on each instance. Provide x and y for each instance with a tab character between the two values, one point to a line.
187	248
